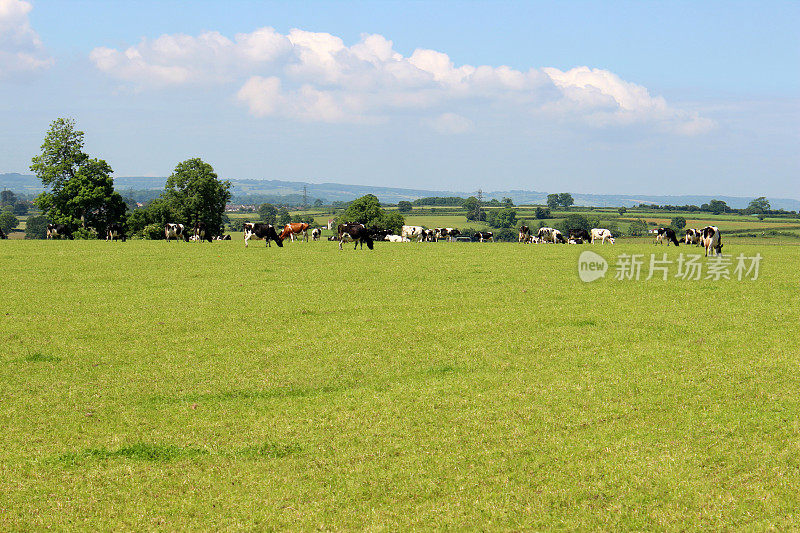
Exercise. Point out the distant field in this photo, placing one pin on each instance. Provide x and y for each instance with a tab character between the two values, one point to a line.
147	385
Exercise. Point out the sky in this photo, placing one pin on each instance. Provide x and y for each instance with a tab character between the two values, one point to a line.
587	97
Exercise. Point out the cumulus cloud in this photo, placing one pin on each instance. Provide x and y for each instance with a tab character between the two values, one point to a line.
317	77
21	50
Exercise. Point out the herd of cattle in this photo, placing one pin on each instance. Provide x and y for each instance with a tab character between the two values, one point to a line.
709	237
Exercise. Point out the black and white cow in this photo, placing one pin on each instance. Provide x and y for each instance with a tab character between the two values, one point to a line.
58	231
550	235
175	231
201	232
428	235
449	234
316	233
115	231
666	234
580	236
602	234
524	234
483	236
693	236
712	240
378	234
412	232
222	238
355	232
260	231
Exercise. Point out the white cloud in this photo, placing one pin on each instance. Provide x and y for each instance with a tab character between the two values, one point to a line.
450	124
21	50
317	77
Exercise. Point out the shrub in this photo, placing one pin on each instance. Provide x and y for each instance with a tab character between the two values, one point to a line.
152	232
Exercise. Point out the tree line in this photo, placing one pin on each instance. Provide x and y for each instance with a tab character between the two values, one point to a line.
80	192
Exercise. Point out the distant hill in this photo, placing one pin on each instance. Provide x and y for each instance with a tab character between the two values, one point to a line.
289	190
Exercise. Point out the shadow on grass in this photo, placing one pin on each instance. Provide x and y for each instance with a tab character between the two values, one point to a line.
139	451
166	452
39	357
252	394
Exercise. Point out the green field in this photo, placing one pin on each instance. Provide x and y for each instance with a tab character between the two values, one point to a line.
190	386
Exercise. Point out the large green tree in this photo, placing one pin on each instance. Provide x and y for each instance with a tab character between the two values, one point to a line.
195	194
759	205
552	201
80	189
473	208
367	210
565	199
8	221
268	213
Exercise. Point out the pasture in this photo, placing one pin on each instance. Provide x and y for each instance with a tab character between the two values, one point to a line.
199	386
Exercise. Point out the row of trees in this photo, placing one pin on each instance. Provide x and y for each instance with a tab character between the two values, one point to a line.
80	190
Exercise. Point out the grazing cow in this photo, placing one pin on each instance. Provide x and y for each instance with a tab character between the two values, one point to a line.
428	235
290	230
693	236
222	238
449	234
579	235
357	232
175	231
58	230
333	238
3	235
524	234
261	231
551	235
378	234
575	240
666	234
482	236
201	233
412	232
602	234
316	233
712	240
115	231
397	238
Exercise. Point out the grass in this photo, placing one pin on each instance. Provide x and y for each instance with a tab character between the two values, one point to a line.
449	386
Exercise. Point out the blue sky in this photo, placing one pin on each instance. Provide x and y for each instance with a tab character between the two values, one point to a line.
618	97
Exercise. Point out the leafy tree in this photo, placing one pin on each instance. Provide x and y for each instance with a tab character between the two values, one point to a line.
367	210
283	216
494	202
473	208
7	198
543	212
716	207
504	218
307	219
565	199
268	213
364	210
507	202
622	210
759	205
552	201
81	190
36	227
638	227
8	221
678	223
21	208
405	207
195	194
318	202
